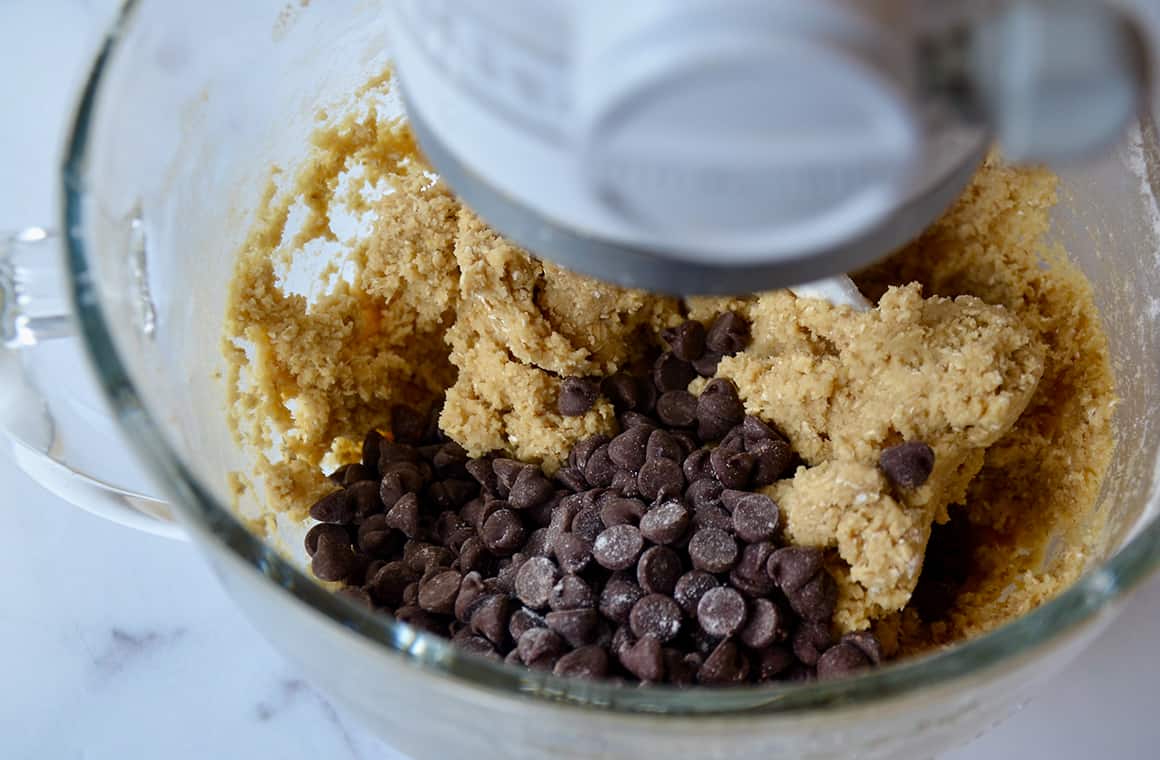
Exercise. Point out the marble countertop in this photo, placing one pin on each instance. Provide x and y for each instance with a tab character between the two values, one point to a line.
116	644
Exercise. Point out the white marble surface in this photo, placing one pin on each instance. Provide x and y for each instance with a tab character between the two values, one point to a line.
120	645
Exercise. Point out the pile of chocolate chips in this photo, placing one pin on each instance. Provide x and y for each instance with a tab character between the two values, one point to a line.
649	557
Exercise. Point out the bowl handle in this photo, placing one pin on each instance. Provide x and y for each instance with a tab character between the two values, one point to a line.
34	310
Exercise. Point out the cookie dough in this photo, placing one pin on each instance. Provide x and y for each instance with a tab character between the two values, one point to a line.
985	343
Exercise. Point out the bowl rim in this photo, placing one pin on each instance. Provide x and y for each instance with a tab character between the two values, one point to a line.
213	522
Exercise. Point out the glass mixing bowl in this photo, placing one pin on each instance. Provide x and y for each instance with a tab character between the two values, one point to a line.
188	106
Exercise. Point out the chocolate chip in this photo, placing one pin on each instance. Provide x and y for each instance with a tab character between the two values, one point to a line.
733	469
624	483
644	659
798	572
477	645
489	617
725	665
712	550
587	523
599	469
663	445
810	640
577	395
630	420
524	620
502	532
749	576
706	366
690	588
335	532
719	410
450	460
572	552
854	652
452	493
585	662
389	582
530	488
506	570
357	473
755	518
658	570
411	595
437	594
697	466
407	424
571	593
665	523
337	507
577	627
618	547
420	619
473	555
404	515
622	640
729	334
712	517
628	449
671	373
620	511
772	457
705	493
765	625
617	599
538	544
660	476
687	340
907	465
540	648
391	452
484	474
677	408
535	580
421	556
506	472
333	559
623	391
721	612
571	478
357	595
657	615
771	662
471	589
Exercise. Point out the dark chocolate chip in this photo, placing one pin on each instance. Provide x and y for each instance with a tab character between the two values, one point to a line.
535	580
471	589
623	391
336	507
705	493
771	662
334	559
577	395
389	582
530	488
506	472
658	570
712	517
686	340
357	473
657	615
798	572
726	664
438	593
665	523
489	617
407	424
721	612
587	523
585	662
697	466
502	532
473	555
671	373
572	552
755	518
524	620
628	449
629	420
719	410
599	469
571	593
659	476
484	474
578	627
404	515
907	465
750	576
617	599
357	595
620	511
706	366
337	533
854	652
624	483
677	408
618	547
690	588
733	469
729	334
712	550
810	640
477	645
766	625
572	478
540	648
583	449
773	457
663	445
644	659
